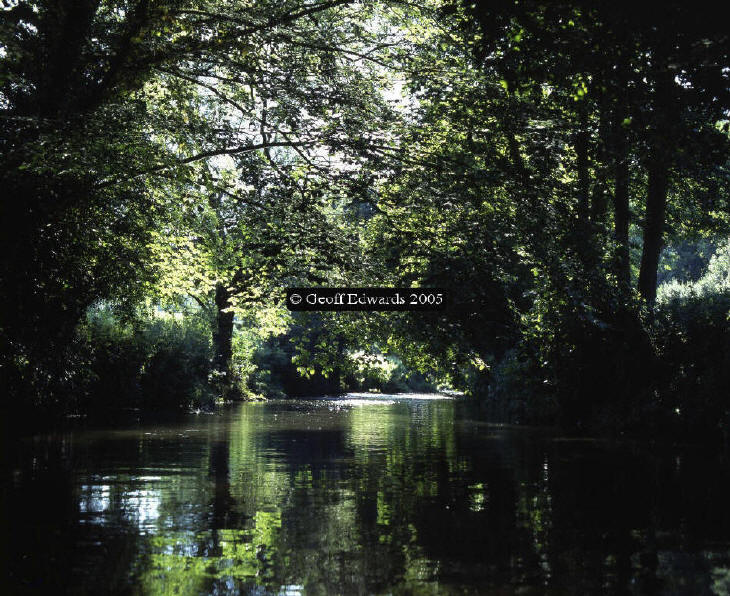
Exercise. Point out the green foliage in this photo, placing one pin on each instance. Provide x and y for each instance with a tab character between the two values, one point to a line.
154	362
203	155
316	357
693	337
143	145
714	282
384	374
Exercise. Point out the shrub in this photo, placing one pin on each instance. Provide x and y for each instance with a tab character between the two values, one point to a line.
154	362
693	338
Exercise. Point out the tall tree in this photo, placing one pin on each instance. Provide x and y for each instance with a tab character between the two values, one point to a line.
103	103
658	71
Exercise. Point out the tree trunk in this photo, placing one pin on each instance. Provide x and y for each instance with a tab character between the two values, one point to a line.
620	147
661	153
581	149
621	205
223	336
599	196
656	200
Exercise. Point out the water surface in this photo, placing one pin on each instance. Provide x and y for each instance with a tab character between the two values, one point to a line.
360	495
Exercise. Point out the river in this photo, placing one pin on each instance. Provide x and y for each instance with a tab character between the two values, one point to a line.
360	495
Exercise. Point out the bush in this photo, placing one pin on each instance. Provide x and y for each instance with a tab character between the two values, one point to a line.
514	393
693	338
177	367
276	375
152	362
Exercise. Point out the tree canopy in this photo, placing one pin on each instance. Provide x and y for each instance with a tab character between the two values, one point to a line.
549	163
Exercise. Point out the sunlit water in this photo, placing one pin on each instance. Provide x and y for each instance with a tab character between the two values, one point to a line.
359	495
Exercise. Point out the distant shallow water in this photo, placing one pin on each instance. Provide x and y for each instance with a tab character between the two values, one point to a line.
418	396
360	494
375	399
395	396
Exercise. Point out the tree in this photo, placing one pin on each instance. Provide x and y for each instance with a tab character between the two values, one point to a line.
272	215
104	103
648	78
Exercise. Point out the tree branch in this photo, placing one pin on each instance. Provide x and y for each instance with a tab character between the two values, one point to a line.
206	154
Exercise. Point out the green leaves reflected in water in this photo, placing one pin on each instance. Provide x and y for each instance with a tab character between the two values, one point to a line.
181	563
329	498
334	497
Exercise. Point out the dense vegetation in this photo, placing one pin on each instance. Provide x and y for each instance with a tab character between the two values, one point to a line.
170	167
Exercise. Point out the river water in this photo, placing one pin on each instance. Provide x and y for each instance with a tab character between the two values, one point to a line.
360	495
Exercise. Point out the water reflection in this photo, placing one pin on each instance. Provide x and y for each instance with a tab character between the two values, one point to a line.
356	496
